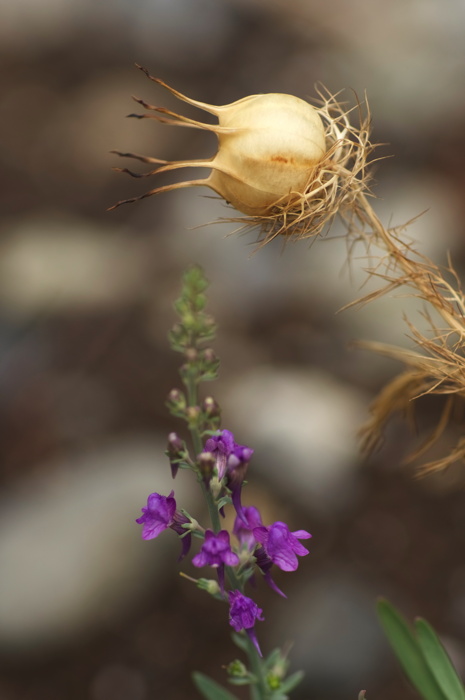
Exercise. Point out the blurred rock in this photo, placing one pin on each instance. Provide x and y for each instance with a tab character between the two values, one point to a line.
56	264
407	56
303	426
336	637
72	555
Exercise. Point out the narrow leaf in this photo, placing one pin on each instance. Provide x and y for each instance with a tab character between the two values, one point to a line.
292	681
241	641
210	689
408	651
438	661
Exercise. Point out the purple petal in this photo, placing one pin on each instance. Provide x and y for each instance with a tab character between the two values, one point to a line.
300	549
231	559
273	585
286	560
253	638
200	559
301	534
185	546
261	534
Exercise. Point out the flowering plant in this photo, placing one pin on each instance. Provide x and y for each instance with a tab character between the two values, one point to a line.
290	168
220	465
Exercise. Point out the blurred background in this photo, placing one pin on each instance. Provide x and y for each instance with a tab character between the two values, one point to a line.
88	610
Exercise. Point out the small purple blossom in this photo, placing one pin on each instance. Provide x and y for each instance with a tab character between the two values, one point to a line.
157	516
216	551
281	545
243	531
222	447
229	455
243	613
232	461
160	514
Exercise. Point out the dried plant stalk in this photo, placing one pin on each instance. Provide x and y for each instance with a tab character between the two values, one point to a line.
290	168
438	367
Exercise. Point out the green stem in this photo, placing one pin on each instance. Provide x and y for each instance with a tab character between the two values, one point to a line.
259	690
192	400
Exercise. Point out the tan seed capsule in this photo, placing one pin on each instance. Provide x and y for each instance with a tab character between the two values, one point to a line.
279	159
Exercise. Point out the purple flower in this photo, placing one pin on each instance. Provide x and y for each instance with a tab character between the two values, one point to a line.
157	516
229	455
243	532
281	545
243	613
160	514
222	447
232	461
216	552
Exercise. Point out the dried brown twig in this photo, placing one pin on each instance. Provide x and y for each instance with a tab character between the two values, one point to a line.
438	366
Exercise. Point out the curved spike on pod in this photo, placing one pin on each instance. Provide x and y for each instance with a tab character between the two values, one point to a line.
212	109
174	165
159	190
143	159
217	110
180	120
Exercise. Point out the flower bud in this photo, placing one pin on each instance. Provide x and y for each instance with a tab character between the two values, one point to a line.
209	356
176	451
211	407
206	462
193	413
191	355
176	400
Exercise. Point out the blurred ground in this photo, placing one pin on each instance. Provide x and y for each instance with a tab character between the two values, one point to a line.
87	610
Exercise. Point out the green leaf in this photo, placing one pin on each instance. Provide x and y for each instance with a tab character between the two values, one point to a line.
438	661
210	689
408	651
273	657
292	681
241	641
241	681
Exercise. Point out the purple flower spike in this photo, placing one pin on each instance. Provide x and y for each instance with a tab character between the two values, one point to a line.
281	545
244	530
243	613
216	552
157	516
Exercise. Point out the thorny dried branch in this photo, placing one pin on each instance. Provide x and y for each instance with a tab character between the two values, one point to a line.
438	366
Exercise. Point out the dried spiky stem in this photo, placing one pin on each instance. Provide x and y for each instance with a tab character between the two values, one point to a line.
439	365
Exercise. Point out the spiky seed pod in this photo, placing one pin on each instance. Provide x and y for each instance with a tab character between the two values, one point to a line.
280	161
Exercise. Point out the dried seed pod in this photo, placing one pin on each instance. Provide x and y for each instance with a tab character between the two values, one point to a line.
280	161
